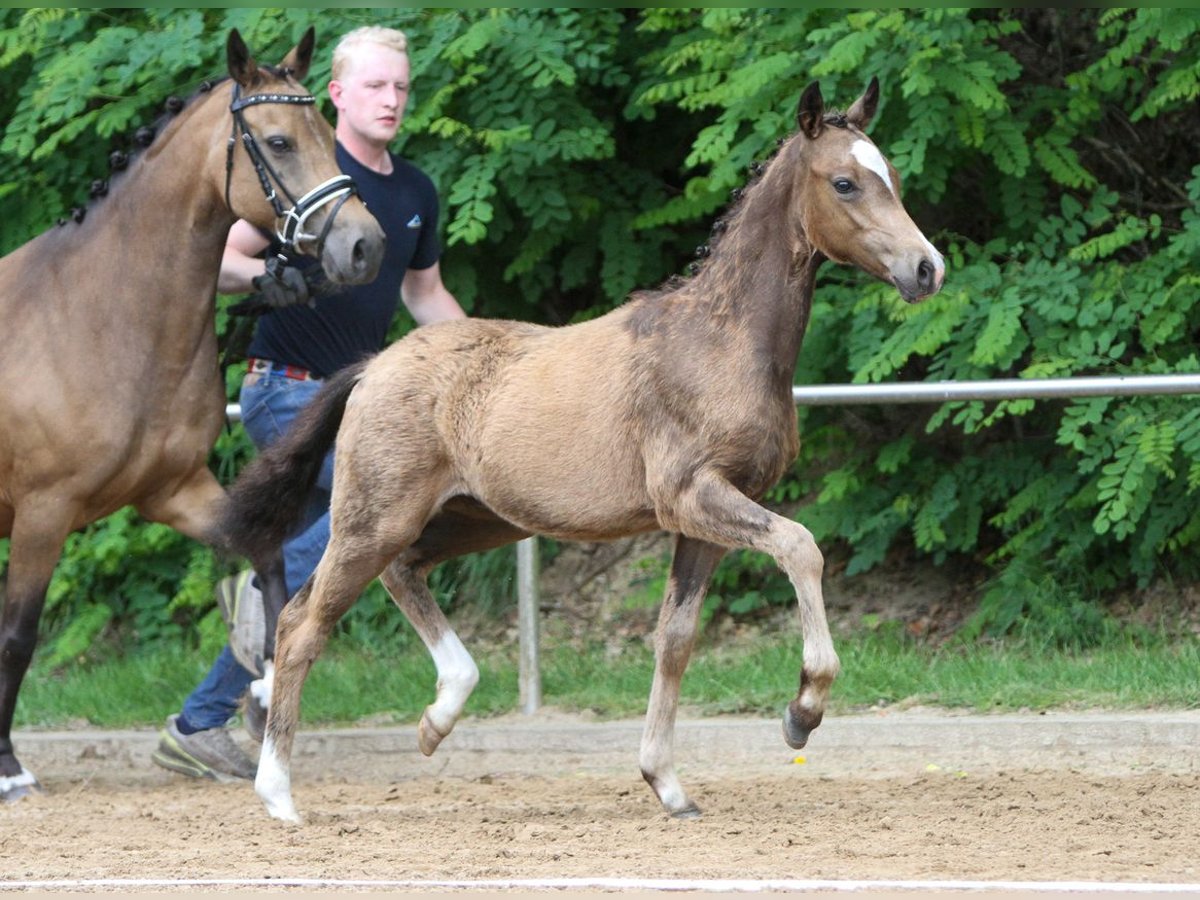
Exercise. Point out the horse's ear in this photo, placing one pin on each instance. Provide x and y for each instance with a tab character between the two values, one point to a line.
810	115
298	61
863	110
242	66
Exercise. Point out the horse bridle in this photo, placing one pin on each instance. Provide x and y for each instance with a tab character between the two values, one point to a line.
336	190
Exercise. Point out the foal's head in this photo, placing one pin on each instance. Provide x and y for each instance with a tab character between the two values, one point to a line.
848	197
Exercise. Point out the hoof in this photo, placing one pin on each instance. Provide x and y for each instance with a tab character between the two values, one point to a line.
691	811
796	729
428	737
17	787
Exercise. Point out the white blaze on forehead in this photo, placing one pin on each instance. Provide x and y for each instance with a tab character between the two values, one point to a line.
869	156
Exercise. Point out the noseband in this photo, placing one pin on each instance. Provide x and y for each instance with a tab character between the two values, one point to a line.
336	190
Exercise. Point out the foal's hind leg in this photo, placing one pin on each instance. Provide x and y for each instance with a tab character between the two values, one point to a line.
457	673
304	627
714	510
691	569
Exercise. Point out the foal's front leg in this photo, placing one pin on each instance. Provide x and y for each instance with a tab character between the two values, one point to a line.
457	673
714	510
691	569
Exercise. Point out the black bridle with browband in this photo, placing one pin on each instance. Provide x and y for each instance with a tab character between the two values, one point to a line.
336	190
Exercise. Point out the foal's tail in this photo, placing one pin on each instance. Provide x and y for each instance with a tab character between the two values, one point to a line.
270	495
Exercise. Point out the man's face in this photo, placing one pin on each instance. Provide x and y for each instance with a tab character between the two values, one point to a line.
372	92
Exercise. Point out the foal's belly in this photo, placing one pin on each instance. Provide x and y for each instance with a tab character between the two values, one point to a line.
564	483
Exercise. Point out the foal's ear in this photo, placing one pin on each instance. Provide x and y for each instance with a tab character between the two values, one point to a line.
242	66
810	115
863	110
297	62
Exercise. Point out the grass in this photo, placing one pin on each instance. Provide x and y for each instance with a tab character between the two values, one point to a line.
352	685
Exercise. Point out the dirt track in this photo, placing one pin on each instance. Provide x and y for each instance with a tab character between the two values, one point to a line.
906	795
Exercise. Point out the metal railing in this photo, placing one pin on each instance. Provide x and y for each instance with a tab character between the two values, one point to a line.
528	599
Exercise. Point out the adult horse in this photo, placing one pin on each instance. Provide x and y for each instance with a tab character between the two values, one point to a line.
672	412
112	390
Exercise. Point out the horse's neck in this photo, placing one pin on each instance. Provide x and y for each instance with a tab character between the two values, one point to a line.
140	272
758	285
157	239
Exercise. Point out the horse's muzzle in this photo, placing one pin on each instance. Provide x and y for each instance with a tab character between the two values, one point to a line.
353	252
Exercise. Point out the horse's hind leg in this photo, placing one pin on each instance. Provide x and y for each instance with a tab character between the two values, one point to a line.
462	526
37	539
691	569
457	673
304	627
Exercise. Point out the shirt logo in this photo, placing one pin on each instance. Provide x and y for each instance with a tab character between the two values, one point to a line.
415	221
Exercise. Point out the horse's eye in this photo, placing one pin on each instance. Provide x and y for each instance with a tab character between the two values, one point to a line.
843	185
279	144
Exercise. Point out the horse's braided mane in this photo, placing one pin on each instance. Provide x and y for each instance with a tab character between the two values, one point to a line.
143	138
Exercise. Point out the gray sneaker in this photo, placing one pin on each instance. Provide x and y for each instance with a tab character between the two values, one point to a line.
205	754
241	606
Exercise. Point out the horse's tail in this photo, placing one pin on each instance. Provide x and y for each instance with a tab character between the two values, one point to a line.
269	497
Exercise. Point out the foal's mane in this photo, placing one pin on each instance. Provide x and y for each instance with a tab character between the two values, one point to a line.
732	216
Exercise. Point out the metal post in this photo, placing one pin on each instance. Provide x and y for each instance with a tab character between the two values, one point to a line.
528	603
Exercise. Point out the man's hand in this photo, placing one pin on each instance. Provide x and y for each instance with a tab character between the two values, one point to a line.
282	285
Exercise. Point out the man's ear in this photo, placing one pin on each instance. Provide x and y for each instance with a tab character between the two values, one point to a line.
810	114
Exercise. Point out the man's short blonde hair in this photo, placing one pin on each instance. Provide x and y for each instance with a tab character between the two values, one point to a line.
369	34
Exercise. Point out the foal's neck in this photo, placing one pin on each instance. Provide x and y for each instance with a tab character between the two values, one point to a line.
759	279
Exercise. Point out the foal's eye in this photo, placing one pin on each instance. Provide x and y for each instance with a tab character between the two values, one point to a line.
843	185
279	144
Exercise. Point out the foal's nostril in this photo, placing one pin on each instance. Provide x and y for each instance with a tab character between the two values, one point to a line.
359	254
925	276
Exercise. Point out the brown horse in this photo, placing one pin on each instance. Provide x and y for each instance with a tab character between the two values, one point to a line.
672	412
112	390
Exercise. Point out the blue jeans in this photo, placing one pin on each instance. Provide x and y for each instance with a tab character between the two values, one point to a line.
269	405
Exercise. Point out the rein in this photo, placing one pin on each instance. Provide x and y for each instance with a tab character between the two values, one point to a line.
336	190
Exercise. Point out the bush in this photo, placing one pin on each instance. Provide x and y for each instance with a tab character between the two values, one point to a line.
582	153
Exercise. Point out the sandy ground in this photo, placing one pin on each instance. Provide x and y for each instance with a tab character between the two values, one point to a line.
902	795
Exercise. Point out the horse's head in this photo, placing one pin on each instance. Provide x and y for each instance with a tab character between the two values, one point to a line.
849	198
281	170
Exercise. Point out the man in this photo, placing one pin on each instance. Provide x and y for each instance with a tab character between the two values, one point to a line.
303	339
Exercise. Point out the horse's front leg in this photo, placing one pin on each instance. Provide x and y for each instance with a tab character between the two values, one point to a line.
716	511
457	673
39	529
691	569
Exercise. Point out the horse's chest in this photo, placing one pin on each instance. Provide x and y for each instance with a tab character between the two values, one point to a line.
756	449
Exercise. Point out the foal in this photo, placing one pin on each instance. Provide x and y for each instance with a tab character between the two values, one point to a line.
672	412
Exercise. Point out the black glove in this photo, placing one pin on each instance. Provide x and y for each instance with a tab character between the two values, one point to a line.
282	285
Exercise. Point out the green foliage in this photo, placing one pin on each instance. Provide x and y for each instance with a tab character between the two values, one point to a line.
582	153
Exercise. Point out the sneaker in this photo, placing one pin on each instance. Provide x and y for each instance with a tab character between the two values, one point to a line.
254	716
205	754
241	605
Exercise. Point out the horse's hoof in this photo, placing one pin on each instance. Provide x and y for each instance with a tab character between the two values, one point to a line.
17	787
796	730
691	811
428	737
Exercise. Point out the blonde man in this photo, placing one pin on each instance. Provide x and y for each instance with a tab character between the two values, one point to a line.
305	337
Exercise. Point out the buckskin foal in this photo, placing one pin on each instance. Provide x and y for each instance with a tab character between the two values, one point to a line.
112	394
672	412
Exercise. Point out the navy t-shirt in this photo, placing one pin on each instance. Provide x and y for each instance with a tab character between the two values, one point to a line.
352	323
